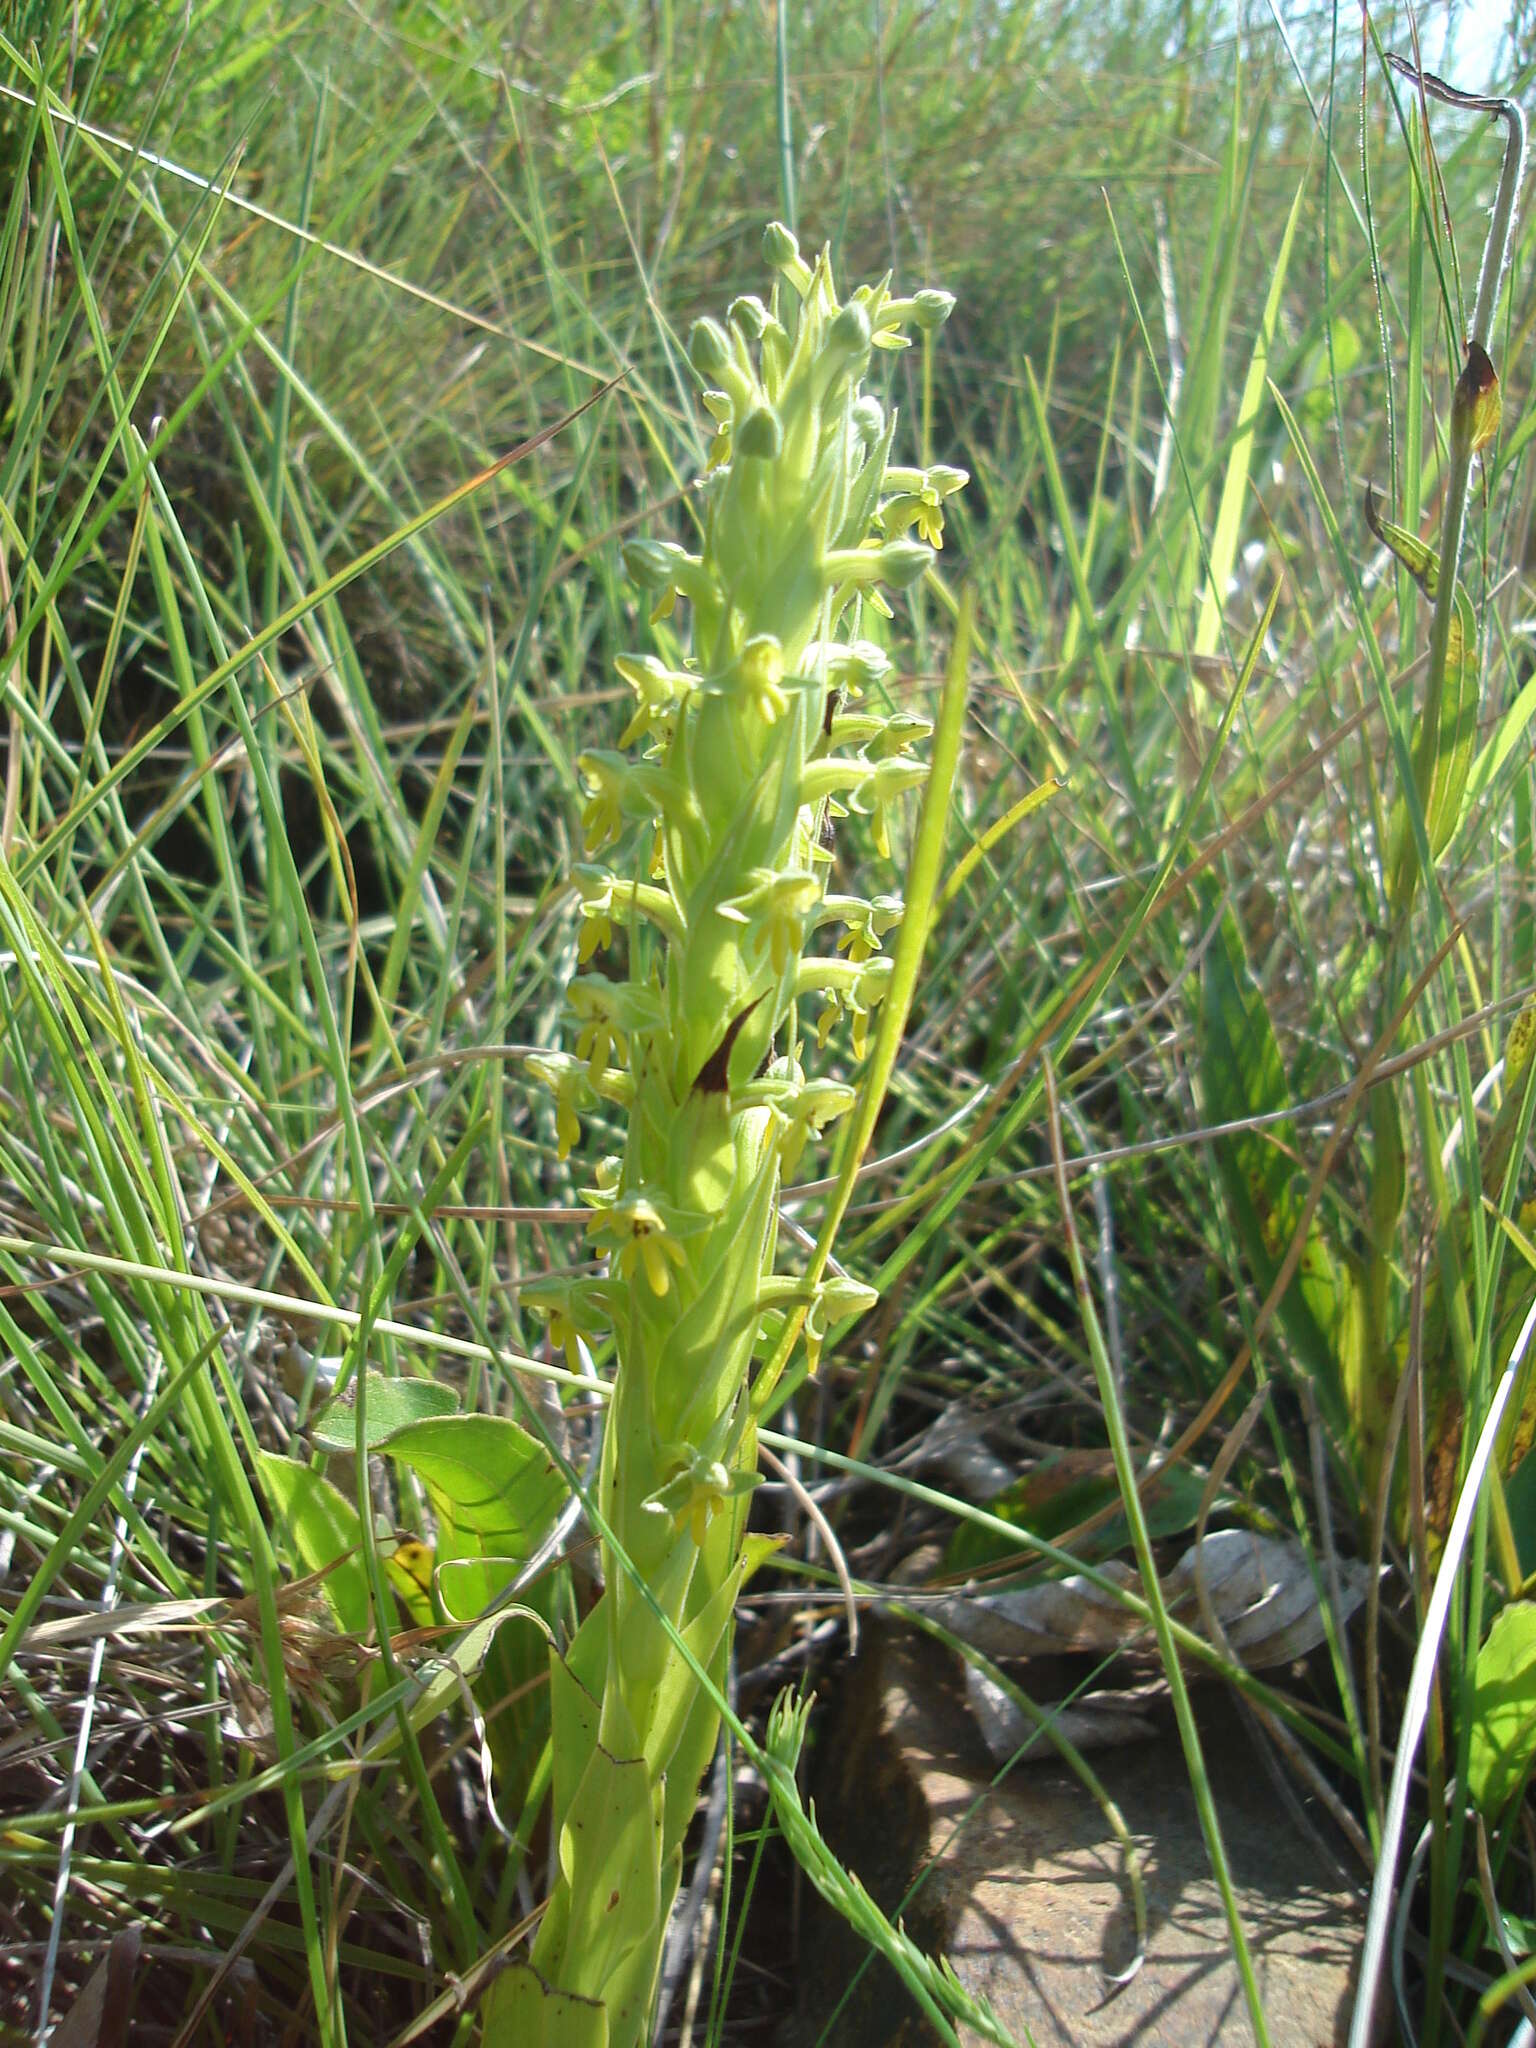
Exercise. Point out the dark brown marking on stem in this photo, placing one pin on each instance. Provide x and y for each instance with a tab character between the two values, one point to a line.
711	1078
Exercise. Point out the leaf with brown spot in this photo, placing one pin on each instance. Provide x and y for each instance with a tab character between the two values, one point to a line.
1477	398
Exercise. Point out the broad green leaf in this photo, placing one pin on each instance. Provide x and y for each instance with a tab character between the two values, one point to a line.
486	1475
683	1707
1519	1932
1389	1169
1447	755
1503	1744
1507	735
521	2011
392	1405
1518	1047
574	1712
1442	752
611	1930
449	1675
515	1682
1444	1394
322	1527
1316	408
1520	1499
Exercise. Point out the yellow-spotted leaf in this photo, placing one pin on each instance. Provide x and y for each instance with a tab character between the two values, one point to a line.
409	1568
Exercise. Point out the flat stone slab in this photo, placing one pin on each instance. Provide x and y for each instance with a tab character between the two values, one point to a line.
1023	1886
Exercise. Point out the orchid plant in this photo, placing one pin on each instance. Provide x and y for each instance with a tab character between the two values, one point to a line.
738	754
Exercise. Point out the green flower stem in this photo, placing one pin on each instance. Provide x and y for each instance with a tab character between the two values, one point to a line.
747	748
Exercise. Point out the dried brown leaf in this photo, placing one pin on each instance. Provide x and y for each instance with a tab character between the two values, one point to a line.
99	2016
1260	1589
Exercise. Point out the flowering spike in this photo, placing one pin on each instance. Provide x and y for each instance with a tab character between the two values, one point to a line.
749	753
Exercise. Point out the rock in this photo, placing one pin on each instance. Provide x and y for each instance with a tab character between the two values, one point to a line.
1023	1886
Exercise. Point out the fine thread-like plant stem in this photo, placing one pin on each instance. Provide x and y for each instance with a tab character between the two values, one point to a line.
786	133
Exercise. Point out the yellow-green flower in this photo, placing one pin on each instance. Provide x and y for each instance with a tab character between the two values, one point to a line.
567	1080
607	1013
762	671
887	783
659	689
774	909
837	1300
816	1105
574	1311
866	923
634	1227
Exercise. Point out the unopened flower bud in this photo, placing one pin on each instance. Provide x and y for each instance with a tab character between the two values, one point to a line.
653	564
854	667
780	249
709	349
750	315
868	420
931	308
760	437
848	336
903	561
